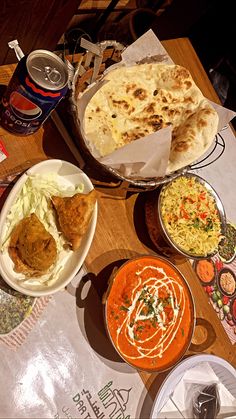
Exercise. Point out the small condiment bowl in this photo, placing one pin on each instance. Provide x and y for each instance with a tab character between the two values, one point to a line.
222	290
219	207
225	242
112	313
195	266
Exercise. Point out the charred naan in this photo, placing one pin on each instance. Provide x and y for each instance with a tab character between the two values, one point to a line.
139	100
74	215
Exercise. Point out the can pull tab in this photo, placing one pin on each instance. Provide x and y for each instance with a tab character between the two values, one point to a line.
52	74
18	51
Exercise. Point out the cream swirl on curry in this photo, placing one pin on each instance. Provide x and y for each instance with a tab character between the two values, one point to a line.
149	313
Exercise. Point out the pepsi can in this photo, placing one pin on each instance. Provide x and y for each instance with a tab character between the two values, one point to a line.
38	84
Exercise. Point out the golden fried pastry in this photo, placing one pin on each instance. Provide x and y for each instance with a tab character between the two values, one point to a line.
32	248
74	215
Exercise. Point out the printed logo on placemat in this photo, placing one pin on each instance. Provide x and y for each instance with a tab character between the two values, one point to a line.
109	402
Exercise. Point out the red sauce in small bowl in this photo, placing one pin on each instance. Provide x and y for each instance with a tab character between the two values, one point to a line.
205	270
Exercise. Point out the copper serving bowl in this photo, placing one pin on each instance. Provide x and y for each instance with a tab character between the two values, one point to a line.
139	319
163	229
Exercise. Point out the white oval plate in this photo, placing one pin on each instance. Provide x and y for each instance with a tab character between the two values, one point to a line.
71	175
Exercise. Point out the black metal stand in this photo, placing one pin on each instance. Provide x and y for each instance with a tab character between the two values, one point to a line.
104	15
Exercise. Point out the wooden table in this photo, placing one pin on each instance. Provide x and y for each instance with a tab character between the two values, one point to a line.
121	232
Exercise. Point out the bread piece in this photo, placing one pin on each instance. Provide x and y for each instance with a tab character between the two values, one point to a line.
142	99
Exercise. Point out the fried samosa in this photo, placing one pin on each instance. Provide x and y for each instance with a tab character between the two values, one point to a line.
74	215
32	248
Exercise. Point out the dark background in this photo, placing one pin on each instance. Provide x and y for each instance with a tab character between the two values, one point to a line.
209	24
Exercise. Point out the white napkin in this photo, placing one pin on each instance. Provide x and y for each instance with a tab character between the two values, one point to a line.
202	374
169	411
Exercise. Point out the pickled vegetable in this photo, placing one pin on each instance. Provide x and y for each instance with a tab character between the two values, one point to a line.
227	246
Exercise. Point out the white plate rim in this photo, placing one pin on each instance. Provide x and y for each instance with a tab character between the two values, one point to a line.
169	382
51	163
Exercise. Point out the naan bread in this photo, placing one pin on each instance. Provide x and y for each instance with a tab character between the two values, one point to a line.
74	215
142	99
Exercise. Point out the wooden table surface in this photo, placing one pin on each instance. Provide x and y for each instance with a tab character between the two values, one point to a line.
121	232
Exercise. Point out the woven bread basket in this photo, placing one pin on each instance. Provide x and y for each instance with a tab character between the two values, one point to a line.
89	69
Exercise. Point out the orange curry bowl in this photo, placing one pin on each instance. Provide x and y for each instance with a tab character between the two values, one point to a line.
150	313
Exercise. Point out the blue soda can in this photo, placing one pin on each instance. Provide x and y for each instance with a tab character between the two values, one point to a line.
38	83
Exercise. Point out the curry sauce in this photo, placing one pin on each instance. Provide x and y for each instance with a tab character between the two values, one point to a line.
150	313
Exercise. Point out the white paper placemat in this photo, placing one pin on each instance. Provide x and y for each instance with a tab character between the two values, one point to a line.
222	174
67	367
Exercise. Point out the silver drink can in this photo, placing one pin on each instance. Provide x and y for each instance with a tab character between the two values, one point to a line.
38	84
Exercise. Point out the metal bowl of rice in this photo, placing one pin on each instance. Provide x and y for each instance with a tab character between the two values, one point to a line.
191	216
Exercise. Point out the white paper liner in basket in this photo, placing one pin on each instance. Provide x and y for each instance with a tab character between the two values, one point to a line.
141	162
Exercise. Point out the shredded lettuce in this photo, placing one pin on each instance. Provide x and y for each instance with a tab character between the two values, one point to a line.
34	197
